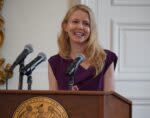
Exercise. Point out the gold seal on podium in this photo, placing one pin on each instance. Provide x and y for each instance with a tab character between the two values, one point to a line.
40	107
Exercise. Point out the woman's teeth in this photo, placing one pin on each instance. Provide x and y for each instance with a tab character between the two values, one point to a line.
79	34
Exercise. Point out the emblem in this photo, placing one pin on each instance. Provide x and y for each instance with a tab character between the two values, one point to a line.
40	107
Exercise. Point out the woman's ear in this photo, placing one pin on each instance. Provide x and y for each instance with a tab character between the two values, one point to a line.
64	26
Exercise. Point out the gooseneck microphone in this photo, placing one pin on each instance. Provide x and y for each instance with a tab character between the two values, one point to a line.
72	69
27	50
27	70
20	61
74	65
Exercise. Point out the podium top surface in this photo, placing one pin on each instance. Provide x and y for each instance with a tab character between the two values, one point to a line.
62	92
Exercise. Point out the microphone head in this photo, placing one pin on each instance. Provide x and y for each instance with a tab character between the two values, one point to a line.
29	48
81	56
43	56
74	65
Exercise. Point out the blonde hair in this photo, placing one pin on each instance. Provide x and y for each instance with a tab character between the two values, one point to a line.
93	51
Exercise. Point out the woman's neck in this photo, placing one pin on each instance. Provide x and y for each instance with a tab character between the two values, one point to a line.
75	50
79	49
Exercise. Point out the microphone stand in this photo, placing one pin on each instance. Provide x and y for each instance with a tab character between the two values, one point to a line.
29	81
71	79
6	83
21	76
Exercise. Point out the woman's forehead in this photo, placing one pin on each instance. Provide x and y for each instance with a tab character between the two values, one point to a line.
79	14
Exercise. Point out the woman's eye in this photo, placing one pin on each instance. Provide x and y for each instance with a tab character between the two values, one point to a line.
75	22
86	24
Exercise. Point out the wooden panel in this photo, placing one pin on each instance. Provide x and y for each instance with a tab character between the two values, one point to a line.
78	104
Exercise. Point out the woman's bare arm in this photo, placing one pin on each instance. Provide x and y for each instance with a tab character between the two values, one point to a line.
52	80
109	80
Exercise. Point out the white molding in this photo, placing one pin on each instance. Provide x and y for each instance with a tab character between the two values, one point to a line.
132	76
93	4
140	101
131	79
86	2
118	29
135	3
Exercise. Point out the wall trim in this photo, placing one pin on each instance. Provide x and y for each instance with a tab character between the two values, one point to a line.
94	5
140	101
136	3
119	27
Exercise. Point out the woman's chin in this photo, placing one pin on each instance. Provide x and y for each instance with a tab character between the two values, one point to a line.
78	40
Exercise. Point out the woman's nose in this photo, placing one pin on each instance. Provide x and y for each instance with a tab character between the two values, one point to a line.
80	25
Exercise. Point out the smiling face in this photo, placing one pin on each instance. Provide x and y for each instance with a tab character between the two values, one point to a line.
78	27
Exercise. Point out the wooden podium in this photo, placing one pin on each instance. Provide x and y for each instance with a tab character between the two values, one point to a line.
78	104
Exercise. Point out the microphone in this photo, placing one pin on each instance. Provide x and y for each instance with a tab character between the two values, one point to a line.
27	50
27	70
74	65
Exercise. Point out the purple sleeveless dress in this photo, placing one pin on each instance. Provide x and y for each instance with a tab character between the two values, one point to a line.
83	77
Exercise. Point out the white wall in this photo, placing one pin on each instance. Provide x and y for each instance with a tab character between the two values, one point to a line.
36	22
124	27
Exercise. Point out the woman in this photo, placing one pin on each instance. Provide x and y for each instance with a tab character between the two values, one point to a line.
79	36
